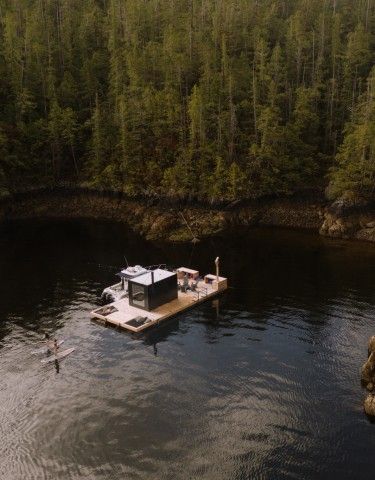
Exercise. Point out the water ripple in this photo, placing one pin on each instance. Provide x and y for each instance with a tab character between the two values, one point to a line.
266	386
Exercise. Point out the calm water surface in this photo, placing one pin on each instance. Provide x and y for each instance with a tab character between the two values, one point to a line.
264	385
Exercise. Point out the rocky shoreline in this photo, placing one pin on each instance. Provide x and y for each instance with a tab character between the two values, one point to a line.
157	220
349	219
368	379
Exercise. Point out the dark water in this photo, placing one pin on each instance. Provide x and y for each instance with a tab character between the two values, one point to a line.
264	386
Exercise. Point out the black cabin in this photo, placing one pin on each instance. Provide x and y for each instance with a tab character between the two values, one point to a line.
152	289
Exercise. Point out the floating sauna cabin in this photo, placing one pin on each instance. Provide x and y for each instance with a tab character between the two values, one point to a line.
159	294
152	289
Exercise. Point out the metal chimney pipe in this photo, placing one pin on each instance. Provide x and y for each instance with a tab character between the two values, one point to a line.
217	268
152	276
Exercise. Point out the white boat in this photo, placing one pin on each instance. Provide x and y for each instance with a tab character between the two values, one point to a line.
119	290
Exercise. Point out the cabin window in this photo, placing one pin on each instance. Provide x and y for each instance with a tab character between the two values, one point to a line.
138	295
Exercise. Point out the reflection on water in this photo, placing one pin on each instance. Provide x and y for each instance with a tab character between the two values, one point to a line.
263	383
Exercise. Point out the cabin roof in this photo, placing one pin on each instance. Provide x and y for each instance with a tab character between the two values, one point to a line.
146	278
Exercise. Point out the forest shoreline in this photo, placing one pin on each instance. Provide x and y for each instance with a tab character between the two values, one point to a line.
172	220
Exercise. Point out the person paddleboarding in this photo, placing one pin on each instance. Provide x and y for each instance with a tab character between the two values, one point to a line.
55	346
52	345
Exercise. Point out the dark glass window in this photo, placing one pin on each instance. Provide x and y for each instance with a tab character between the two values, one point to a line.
138	295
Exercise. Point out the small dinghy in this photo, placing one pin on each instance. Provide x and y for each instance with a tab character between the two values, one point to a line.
47	348
59	356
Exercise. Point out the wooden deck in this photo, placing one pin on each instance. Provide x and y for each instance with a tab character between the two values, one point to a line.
125	316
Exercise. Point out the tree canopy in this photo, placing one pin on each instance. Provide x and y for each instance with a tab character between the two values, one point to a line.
215	99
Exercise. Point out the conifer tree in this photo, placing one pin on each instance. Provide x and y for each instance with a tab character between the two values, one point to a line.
147	95
355	169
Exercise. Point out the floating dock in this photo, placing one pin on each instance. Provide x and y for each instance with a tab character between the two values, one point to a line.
180	290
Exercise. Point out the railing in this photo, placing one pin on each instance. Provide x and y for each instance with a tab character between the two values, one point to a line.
163	266
201	291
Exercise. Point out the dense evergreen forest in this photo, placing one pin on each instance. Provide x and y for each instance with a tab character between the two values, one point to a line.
216	99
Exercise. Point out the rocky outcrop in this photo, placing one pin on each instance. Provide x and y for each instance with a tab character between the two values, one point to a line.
349	218
361	227
368	378
369	405
371	345
368	371
367	233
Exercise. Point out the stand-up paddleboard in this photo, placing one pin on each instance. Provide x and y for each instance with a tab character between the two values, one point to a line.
47	348
59	356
